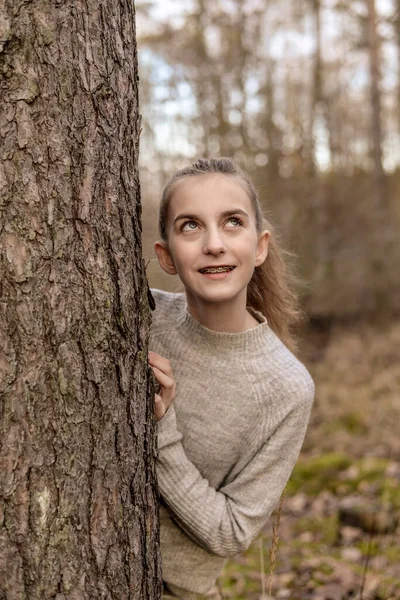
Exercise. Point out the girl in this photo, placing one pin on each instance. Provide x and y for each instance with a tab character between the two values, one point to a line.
234	401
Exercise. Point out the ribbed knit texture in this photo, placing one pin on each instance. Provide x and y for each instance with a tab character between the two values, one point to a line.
227	444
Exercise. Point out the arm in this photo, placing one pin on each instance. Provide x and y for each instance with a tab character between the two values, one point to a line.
224	522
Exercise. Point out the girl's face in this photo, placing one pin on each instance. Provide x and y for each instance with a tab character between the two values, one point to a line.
211	222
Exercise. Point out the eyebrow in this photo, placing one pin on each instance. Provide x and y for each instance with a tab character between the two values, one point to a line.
226	213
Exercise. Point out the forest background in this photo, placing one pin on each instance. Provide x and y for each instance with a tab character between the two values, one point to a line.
305	96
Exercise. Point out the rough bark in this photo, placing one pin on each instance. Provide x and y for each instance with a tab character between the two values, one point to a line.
78	496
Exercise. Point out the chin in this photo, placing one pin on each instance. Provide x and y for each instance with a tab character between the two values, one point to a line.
218	295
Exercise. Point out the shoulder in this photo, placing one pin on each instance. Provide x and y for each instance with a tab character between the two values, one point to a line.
287	379
298	379
168	305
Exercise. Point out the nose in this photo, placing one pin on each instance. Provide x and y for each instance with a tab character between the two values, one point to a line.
214	242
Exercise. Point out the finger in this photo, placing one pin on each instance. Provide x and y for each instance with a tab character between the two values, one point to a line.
160	362
162	378
159	408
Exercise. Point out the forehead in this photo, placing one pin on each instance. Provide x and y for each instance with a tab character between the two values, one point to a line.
209	195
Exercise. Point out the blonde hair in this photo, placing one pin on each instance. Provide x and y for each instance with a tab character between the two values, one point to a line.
272	288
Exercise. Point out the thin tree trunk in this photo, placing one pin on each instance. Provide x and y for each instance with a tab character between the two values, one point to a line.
377	137
78	496
204	74
397	34
273	134
319	212
242	69
317	95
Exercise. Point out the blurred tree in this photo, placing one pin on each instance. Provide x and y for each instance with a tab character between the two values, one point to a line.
317	89
268	122
78	496
397	38
203	76
376	103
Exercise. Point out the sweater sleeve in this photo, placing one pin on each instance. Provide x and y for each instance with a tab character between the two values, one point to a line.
225	521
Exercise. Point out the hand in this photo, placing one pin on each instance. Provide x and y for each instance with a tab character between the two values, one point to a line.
163	373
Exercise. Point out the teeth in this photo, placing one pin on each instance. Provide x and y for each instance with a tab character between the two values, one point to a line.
217	270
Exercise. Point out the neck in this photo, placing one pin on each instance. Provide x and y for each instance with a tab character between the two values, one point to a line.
228	317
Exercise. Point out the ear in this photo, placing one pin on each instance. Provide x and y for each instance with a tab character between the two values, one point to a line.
262	247
165	258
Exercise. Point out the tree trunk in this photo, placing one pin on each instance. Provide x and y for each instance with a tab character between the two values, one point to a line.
78	495
397	35
273	134
204	74
373	47
317	78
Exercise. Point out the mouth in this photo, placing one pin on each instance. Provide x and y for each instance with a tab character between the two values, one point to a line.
221	269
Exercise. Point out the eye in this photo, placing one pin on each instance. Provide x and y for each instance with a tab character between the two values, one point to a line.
187	223
238	221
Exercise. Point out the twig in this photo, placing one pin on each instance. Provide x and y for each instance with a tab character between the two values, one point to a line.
274	544
366	563
262	568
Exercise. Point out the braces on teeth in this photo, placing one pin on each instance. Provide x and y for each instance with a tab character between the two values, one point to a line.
216	270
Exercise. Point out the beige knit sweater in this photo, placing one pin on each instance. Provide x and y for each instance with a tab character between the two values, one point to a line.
227	444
